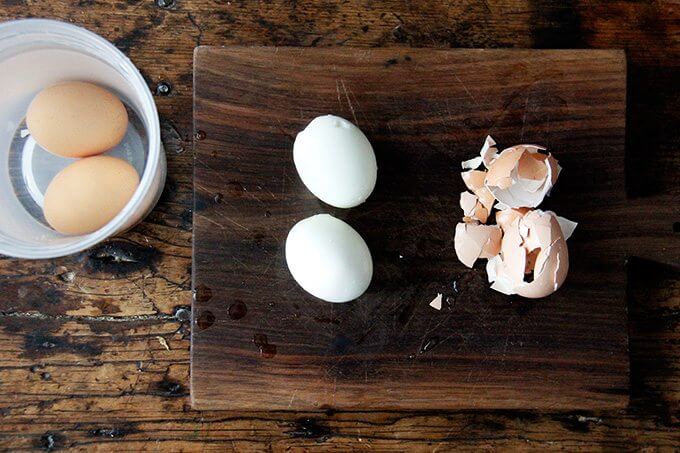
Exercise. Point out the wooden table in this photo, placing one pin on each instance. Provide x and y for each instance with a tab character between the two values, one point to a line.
95	348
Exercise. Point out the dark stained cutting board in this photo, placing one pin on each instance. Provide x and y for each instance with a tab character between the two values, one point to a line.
260	342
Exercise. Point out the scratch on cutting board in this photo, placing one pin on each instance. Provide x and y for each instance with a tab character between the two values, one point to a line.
337	89
209	220
465	88
220	225
349	102
292	398
524	117
511	98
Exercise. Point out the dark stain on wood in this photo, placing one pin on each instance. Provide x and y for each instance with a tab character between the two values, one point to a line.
39	344
120	257
170	388
134	37
310	428
186	218
41	295
51	441
577	423
114	432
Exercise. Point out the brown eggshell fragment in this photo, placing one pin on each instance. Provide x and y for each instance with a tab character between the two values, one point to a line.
473	241
492	246
474	181
437	302
487	154
521	176
500	170
473	210
533	243
506	217
514	255
554	273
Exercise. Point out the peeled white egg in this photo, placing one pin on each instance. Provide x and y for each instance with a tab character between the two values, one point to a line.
335	161
328	258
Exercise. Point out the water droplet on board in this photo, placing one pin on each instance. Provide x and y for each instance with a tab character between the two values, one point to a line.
266	350
202	293
199	135
217	198
237	310
429	344
205	320
455	286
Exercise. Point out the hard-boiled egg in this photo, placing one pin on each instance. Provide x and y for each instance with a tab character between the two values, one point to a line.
328	258
76	119
87	194
335	161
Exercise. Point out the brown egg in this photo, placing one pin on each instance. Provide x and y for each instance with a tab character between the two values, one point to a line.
87	194
76	119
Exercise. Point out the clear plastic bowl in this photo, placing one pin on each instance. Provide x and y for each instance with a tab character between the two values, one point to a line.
34	54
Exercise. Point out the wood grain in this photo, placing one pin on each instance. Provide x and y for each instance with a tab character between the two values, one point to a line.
425	111
72	410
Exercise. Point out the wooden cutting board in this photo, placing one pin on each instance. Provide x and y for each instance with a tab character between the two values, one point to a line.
260	342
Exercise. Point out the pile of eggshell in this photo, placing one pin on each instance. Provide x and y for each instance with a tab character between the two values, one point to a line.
526	249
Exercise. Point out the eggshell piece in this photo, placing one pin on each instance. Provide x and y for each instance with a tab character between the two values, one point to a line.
506	217
473	241
473	210
487	154
552	275
335	161
87	194
567	227
533	243
328	258
521	177
437	302
76	119
514	255
474	181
